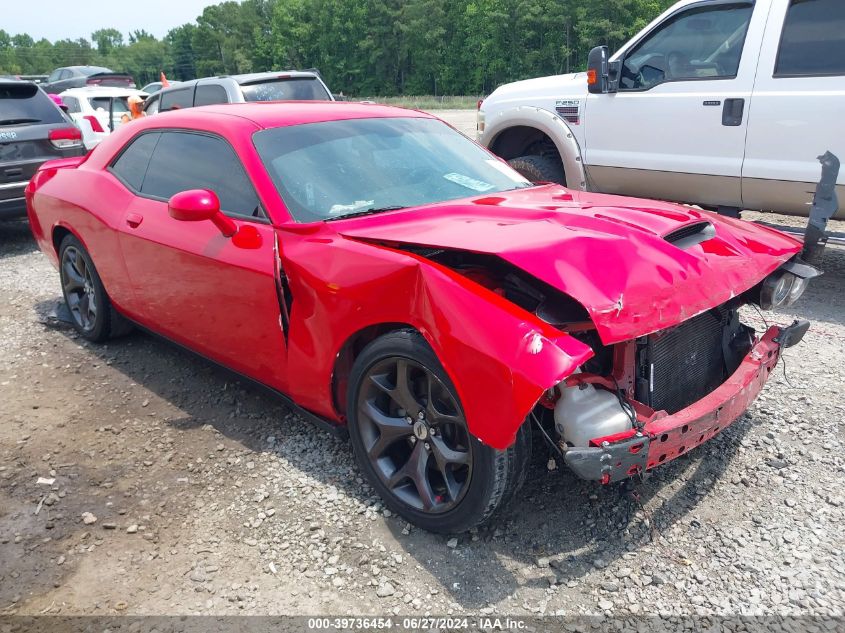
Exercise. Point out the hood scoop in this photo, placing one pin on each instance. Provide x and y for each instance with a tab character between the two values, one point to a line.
691	235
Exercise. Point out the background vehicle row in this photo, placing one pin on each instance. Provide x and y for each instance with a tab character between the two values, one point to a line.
32	130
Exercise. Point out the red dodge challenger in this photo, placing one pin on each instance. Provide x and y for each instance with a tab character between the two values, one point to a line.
392	278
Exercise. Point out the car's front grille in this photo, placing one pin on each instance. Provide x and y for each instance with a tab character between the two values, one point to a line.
681	365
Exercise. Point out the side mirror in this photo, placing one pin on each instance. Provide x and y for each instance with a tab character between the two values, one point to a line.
196	205
602	75
597	71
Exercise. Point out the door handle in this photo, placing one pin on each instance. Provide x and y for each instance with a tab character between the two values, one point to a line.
732	112
134	220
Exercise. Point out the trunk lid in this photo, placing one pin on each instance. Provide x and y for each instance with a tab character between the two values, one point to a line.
116	80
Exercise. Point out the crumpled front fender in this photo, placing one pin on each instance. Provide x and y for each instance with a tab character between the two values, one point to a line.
500	358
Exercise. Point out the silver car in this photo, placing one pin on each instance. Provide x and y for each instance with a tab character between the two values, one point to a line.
291	85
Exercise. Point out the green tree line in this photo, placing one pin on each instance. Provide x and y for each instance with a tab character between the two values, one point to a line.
361	47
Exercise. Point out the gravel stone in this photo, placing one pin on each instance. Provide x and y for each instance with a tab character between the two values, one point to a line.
385	590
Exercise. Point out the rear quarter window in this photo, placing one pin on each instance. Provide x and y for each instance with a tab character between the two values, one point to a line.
291	89
27	104
131	164
151	106
210	94
813	39
176	99
72	104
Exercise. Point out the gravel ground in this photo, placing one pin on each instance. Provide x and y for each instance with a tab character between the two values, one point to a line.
177	489
462	120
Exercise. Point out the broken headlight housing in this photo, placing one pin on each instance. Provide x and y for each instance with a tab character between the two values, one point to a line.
776	289
784	286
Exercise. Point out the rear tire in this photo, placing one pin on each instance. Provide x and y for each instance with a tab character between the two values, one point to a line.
94	317
539	169
430	471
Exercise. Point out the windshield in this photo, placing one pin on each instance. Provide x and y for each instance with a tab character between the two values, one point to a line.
286	89
339	168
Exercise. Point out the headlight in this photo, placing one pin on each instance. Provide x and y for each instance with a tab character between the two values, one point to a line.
775	290
784	286
799	285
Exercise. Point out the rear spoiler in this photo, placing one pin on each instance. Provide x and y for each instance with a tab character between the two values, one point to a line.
115	80
64	163
48	169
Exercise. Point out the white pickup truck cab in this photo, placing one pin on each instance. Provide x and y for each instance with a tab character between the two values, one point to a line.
723	103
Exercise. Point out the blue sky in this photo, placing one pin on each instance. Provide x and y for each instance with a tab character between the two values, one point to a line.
59	19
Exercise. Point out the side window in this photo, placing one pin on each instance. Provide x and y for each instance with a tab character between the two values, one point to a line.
65	74
131	165
54	76
151	106
209	94
174	99
185	160
702	43
813	40
72	104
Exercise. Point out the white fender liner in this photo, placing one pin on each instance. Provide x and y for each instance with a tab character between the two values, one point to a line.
549	124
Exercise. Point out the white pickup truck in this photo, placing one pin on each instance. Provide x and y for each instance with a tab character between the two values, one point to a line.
723	103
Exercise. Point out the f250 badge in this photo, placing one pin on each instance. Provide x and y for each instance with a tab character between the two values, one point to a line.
569	109
8	136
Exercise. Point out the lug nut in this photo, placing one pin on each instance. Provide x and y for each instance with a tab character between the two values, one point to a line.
409	420
413	440
421	415
427	446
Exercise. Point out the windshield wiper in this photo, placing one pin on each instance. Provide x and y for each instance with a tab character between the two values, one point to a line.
356	214
15	121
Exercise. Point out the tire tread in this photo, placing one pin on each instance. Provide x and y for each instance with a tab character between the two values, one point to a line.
539	168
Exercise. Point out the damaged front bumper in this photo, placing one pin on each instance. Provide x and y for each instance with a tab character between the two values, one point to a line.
663	437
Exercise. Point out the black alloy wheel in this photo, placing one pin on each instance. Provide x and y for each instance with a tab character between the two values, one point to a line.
412	441
93	315
78	287
415	434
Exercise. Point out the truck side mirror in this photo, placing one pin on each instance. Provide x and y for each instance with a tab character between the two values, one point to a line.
602	76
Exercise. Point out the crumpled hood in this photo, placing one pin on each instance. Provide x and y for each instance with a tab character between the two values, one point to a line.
607	252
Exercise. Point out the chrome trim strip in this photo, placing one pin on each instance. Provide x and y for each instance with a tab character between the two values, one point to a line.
13	185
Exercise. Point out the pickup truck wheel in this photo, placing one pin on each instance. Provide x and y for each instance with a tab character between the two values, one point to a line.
411	440
539	169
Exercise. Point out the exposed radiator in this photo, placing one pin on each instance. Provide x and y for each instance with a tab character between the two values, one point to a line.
680	365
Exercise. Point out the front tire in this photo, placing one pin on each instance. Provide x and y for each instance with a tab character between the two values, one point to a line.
411	441
94	318
539	169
